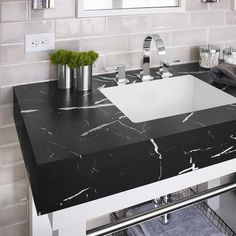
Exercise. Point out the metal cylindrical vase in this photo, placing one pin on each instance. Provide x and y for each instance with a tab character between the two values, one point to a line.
83	78
65	77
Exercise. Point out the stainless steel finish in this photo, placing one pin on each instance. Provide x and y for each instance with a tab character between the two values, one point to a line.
65	77
165	219
227	206
137	219
145	74
209	49
164	69
83	78
42	4
120	73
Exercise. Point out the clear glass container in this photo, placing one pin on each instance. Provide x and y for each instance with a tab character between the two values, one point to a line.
209	56
230	55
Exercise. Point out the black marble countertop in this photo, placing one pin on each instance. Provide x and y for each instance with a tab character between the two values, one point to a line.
79	147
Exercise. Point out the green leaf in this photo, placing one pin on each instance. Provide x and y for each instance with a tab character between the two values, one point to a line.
60	57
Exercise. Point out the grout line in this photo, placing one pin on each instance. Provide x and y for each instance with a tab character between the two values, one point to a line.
21	203
11	125
19	163
23	181
15	224
9	145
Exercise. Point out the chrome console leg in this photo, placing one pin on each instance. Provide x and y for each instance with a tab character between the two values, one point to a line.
165	219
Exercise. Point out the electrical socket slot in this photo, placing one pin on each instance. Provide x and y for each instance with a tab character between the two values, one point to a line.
39	42
35	43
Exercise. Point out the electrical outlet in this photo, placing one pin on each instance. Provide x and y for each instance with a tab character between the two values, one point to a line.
39	42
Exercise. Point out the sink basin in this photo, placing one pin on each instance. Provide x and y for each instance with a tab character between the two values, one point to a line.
164	98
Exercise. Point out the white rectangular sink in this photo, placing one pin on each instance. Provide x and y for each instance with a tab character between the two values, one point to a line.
157	99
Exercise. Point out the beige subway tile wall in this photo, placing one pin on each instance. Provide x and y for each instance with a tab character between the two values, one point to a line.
118	39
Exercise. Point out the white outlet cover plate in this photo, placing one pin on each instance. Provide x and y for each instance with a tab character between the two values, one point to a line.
36	42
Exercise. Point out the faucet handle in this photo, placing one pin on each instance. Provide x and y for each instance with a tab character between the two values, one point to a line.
120	73
165	67
115	68
168	64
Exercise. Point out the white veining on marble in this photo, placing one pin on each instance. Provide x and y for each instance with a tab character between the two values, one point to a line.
188	117
85	107
122	117
44	129
223	152
233	137
156	149
110	123
86	121
76	154
76	195
56	144
52	155
199	123
100	101
43	92
210	134
94	169
192	168
131	128
225	87
229	152
97	128
195	150
28	111
191	160
122	136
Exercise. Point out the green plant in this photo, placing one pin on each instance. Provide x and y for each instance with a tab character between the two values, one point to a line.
61	57
73	60
87	58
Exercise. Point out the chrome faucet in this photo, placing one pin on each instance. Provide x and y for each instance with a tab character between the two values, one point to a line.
120	71
145	73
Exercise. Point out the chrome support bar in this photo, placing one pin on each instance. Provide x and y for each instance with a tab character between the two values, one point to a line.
137	219
158	202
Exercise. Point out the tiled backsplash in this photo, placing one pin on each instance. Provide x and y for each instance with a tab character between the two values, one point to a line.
118	39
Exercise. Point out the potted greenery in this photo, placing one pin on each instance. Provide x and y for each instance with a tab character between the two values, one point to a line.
64	73
84	63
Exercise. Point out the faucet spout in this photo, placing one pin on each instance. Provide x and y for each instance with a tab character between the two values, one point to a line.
147	53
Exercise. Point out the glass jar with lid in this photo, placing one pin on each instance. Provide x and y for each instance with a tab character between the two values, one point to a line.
230	55
209	56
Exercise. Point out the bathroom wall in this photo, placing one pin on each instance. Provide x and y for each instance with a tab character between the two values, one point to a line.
118	40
